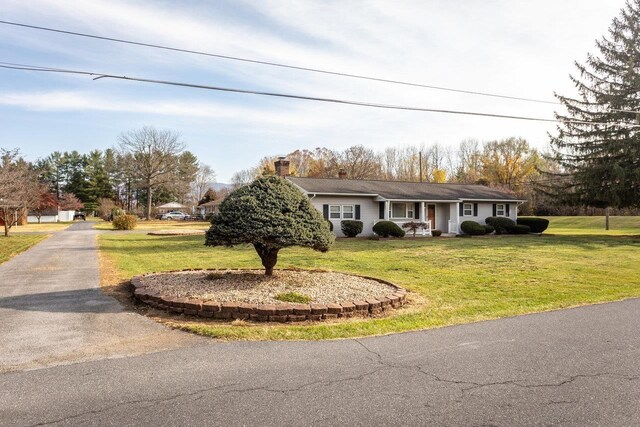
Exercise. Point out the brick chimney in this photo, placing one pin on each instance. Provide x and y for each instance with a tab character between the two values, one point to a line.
342	174
282	167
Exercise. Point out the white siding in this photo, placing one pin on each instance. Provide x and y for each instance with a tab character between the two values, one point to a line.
485	210
32	219
368	211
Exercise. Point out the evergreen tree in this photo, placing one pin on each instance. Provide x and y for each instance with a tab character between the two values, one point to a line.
272	214
598	142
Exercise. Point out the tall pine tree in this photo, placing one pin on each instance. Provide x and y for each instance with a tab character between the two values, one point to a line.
598	142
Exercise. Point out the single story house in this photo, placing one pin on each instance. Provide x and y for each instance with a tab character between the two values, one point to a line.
441	206
209	208
171	206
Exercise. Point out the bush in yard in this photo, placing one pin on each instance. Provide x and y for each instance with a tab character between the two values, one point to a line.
489	228
330	224
388	229
271	214
351	228
472	228
125	222
436	233
414	226
520	229
537	225
503	225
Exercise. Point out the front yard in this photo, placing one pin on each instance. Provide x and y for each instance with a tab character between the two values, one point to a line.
452	280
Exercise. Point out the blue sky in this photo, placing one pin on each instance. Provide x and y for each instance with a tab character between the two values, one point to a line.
520	48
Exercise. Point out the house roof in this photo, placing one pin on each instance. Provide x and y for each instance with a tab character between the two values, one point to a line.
400	190
212	203
171	205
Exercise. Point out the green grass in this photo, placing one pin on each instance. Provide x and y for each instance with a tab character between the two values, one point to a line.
594	225
16	243
461	280
293	297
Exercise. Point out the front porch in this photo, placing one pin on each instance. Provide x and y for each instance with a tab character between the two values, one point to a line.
437	215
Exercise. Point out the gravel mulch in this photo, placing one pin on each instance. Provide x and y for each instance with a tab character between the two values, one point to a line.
252	286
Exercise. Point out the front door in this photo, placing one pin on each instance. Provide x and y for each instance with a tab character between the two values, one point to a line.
431	215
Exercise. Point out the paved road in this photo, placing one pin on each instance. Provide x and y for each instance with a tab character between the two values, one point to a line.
52	310
574	367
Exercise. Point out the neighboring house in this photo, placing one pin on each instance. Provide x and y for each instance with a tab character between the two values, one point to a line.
168	207
441	206
209	208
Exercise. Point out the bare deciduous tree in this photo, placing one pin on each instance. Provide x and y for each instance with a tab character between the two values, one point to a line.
204	177
155	157
19	188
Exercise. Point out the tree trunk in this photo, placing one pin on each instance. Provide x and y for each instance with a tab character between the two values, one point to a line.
606	218
6	228
269	257
149	202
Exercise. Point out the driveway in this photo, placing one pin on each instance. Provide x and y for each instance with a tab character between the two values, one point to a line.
53	312
575	367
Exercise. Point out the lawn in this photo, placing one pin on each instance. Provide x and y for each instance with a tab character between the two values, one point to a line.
594	225
14	244
45	227
451	280
160	225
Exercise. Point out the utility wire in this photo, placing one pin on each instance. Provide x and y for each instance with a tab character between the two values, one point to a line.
98	76
294	67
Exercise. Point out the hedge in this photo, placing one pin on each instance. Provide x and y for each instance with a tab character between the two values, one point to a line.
388	229
472	228
502	225
537	225
351	228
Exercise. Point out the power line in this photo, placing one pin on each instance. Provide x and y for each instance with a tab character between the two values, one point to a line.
294	67
97	76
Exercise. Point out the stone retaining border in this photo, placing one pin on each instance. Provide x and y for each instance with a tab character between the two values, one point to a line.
285	312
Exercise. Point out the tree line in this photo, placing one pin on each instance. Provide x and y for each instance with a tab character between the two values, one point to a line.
146	167
509	163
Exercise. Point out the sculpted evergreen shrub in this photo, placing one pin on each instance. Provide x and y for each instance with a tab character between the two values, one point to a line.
503	225
472	228
388	229
489	229
520	229
436	233
537	225
271	214
125	222
351	228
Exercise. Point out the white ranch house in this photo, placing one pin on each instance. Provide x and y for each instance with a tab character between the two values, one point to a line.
440	206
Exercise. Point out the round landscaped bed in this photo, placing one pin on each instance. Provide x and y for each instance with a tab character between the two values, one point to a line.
251	295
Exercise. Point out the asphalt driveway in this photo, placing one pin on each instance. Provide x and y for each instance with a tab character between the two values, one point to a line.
573	367
53	312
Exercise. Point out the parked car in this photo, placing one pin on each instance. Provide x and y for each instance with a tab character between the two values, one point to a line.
175	215
79	215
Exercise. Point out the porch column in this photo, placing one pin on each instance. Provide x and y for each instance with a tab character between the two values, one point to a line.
423	215
386	210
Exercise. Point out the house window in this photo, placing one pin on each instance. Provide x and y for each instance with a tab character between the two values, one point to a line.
501	210
401	210
341	211
467	209
334	211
